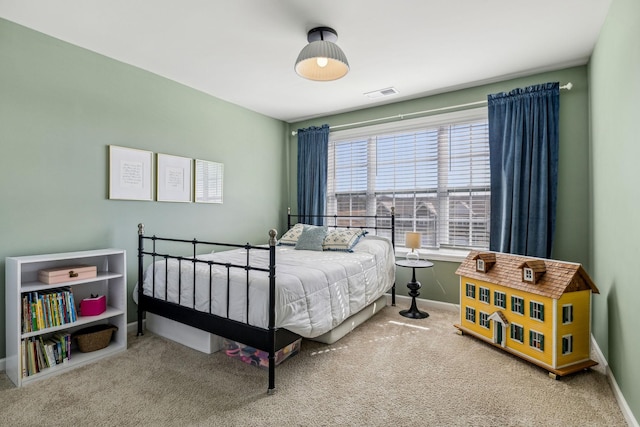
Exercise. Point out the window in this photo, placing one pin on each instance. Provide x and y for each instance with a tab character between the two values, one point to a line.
484	320
433	170
517	333
567	314
500	299
528	274
471	290
484	295
517	305
536	310
471	314
480	265
536	340
567	344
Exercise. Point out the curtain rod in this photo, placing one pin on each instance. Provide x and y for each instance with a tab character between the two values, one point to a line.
568	86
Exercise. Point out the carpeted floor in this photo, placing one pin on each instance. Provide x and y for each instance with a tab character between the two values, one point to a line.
390	371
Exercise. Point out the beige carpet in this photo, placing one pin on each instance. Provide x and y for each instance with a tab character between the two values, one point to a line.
390	371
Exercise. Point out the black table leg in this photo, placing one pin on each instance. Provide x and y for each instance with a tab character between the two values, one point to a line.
413	312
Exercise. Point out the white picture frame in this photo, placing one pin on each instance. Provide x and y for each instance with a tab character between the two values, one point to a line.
209	178
130	173
174	178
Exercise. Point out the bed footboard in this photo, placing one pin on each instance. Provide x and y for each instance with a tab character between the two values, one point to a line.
266	339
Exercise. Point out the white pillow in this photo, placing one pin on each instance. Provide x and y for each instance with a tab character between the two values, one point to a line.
342	239
290	238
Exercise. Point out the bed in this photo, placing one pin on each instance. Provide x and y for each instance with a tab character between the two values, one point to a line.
269	296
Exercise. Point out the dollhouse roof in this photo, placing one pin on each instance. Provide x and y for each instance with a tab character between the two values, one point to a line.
559	277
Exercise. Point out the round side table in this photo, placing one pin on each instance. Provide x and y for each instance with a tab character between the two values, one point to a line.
414	286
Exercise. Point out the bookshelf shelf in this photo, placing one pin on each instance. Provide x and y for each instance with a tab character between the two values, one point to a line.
39	286
82	321
21	280
77	359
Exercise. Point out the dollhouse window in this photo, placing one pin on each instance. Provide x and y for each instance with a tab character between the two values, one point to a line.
500	299
484	295
567	344
480	265
517	333
567	314
528	274
517	305
536	340
471	314
471	290
484	320
537	310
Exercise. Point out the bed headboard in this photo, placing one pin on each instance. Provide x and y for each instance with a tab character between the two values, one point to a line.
383	225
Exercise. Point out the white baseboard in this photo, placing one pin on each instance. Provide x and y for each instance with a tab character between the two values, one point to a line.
622	403
132	328
425	304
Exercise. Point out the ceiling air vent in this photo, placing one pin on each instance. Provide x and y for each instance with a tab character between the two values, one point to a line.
381	92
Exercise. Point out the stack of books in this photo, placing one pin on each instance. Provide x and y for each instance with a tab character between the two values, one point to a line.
41	310
40	353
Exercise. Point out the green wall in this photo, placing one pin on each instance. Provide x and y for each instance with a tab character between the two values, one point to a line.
614	81
62	106
572	237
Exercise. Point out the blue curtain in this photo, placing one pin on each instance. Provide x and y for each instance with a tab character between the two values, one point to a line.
523	144
313	147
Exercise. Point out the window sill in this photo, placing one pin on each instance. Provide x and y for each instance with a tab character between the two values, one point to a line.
449	255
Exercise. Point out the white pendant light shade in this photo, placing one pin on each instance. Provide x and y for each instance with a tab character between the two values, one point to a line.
321	59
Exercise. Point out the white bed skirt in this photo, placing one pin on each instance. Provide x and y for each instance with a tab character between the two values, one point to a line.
183	334
206	342
352	322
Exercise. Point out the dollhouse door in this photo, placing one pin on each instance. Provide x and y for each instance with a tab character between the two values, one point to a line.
498	333
499	325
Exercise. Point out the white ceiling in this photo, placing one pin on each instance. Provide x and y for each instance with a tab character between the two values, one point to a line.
243	51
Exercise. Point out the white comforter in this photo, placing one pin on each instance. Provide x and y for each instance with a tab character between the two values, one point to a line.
315	291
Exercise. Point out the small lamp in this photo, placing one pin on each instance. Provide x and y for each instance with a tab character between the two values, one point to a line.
412	240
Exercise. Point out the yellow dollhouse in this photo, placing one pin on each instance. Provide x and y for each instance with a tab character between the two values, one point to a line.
537	309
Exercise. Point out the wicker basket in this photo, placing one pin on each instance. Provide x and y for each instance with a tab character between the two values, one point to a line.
94	337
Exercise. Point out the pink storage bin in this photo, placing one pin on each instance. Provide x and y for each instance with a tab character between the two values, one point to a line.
93	306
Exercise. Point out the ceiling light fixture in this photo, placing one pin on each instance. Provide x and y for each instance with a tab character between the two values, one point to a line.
322	59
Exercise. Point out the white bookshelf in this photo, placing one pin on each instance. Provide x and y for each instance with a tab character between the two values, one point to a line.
22	278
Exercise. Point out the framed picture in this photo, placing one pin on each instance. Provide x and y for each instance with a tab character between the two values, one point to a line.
174	178
130	173
208	181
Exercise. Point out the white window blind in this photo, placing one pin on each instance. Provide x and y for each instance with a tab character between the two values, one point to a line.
434	171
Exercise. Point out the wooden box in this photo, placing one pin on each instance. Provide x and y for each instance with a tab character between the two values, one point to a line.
53	276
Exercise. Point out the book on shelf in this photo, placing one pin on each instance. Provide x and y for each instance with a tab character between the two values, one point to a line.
38	353
52	308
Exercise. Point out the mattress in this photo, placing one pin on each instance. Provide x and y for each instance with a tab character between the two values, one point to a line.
315	290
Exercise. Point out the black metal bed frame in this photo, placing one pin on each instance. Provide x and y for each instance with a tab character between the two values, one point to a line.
268	340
